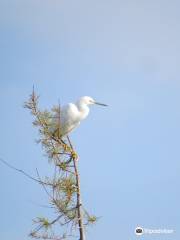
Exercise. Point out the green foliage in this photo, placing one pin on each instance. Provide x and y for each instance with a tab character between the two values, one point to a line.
92	219
43	221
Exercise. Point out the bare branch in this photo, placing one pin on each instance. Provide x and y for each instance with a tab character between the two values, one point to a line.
20	171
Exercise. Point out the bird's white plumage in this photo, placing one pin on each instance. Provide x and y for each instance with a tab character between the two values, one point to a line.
72	114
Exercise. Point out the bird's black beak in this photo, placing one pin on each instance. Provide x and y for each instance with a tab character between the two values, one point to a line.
101	104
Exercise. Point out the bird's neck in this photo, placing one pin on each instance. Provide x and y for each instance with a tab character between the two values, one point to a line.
83	110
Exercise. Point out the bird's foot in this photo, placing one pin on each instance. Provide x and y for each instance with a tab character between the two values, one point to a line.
74	155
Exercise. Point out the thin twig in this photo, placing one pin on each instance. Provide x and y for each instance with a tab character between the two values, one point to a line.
20	171
43	185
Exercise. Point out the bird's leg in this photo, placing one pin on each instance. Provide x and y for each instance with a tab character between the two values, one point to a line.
66	147
73	152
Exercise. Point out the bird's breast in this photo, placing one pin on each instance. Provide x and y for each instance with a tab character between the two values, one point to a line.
83	114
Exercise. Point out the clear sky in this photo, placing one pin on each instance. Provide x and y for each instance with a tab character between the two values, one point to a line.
123	53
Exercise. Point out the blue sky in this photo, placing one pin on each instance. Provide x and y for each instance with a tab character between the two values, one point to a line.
123	53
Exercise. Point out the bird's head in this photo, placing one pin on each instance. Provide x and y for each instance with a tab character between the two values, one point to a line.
90	101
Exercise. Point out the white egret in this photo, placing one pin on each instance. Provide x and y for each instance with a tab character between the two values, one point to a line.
73	113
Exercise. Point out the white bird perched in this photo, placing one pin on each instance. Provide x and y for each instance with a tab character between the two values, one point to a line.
73	113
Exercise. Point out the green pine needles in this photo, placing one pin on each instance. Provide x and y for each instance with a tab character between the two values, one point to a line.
63	187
